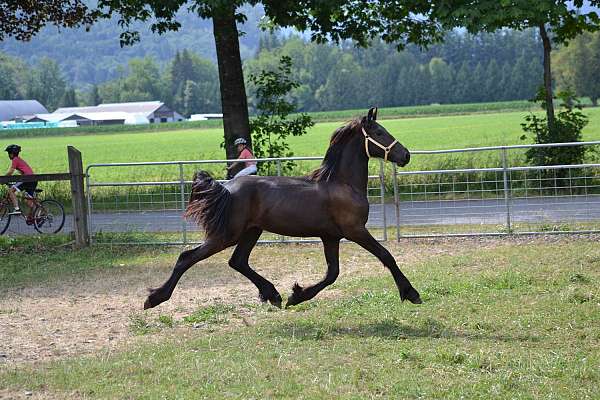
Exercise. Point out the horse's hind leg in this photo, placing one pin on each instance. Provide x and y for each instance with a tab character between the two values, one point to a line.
332	255
239	262
186	259
369	243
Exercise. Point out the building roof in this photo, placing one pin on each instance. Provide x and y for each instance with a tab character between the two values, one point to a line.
143	107
54	117
91	116
11	109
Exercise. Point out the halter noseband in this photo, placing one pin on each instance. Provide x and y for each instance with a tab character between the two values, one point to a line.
368	139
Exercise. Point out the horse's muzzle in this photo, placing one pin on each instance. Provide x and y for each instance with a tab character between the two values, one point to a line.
405	160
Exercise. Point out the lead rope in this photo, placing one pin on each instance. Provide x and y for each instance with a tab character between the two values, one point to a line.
368	139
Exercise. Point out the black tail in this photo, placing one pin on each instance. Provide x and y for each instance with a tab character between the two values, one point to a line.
209	206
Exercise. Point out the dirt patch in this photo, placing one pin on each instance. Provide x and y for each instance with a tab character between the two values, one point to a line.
93	315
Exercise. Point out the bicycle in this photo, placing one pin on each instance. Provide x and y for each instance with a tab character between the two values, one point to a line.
46	216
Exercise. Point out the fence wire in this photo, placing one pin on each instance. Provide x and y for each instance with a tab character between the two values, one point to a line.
506	197
122	210
480	191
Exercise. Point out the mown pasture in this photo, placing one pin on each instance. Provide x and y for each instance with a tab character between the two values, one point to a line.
324	116
509	319
48	154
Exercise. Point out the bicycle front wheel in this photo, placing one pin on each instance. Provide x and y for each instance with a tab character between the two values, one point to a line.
4	218
49	217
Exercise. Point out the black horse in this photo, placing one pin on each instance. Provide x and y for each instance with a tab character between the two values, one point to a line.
330	203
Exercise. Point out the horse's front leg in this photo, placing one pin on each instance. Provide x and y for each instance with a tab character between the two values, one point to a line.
186	259
332	255
369	243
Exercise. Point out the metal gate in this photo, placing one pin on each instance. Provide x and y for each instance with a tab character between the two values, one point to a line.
143	203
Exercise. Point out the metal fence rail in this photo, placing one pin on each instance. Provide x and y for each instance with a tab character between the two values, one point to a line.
475	191
150	211
500	199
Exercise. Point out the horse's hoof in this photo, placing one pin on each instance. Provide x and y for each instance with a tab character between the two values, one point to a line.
411	295
154	298
292	301
276	301
148	304
296	296
274	298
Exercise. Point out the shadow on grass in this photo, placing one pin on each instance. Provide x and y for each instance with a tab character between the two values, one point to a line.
386	329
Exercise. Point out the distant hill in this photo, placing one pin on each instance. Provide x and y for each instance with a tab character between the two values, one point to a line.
96	56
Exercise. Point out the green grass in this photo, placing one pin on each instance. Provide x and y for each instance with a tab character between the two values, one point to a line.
518	321
48	154
28	260
386	113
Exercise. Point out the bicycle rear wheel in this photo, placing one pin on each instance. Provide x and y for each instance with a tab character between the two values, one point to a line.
49	217
4	218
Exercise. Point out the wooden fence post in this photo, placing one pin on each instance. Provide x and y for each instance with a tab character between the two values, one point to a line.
80	223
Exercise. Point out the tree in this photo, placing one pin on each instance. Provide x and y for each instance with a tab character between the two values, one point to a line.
94	96
187	67
344	86
594	82
272	126
568	126
191	98
10	70
477	83
441	80
493	75
565	19
462	82
24	19
46	84
578	66
395	21
69	98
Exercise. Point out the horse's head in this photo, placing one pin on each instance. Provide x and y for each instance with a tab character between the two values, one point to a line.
380	143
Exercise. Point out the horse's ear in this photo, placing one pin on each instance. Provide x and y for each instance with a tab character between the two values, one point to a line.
375	114
370	114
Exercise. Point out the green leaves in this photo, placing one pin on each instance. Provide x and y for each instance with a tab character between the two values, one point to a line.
271	127
568	124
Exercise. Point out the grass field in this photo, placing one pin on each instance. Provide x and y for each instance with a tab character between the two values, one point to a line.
48	154
385	113
508	319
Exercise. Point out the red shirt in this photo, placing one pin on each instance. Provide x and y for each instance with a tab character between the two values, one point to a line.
20	165
246	154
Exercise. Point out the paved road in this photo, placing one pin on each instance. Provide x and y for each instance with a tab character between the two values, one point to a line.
412	213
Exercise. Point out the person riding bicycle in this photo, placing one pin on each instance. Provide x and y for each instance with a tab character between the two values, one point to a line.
244	153
18	164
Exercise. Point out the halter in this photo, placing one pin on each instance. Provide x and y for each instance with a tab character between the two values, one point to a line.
368	139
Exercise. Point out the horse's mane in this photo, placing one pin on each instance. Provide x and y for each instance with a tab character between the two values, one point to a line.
338	140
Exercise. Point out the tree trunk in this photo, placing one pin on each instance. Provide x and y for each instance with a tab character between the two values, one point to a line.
231	79
547	78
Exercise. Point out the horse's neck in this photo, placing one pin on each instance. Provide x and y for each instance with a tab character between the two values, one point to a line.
354	165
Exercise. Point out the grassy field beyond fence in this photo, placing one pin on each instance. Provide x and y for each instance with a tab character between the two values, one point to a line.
48	154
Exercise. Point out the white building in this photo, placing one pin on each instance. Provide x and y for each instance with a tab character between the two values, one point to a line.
19	110
150	111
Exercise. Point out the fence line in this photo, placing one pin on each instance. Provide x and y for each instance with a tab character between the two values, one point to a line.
134	206
501	199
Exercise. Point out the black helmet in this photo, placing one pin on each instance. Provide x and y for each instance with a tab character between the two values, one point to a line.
13	148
